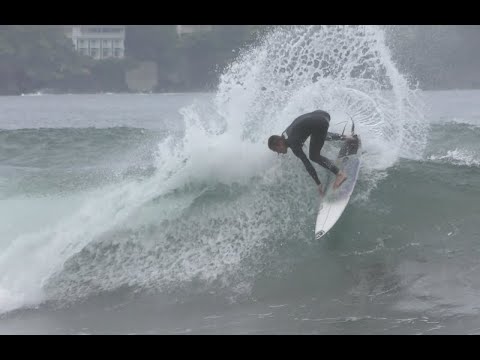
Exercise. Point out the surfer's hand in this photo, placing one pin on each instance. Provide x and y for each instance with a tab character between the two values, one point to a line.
320	190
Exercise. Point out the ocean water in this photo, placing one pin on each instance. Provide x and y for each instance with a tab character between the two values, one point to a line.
167	213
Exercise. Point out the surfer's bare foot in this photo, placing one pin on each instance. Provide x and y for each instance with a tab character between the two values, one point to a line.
341	177
320	190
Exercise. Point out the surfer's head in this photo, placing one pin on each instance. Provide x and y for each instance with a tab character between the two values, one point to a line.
278	144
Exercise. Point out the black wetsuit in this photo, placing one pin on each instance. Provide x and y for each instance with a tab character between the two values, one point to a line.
314	124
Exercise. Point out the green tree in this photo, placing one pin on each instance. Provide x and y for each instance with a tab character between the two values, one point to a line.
36	55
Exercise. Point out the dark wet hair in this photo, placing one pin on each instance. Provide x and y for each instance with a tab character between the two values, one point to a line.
274	140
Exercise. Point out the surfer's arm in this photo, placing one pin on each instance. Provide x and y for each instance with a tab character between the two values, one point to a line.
297	150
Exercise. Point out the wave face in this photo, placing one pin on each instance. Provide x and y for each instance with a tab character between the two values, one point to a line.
208	208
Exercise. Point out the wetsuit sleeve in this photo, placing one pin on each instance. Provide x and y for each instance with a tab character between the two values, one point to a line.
333	136
297	150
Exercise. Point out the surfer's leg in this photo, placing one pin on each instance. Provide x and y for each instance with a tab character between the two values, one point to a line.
316	143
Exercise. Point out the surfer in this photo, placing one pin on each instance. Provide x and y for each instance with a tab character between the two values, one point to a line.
314	124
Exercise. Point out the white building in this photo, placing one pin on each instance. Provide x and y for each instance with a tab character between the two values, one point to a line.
99	41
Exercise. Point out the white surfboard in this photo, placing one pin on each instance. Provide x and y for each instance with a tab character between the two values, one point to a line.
335	201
